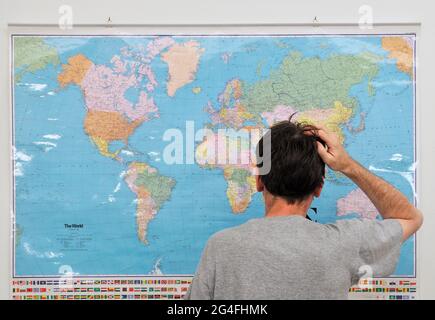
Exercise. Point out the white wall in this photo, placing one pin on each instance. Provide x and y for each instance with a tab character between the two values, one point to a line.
232	11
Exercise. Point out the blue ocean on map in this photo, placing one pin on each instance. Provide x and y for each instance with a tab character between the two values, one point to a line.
61	178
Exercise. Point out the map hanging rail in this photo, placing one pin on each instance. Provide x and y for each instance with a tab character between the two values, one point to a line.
225	25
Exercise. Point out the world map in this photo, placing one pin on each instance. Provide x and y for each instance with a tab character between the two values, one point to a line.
93	189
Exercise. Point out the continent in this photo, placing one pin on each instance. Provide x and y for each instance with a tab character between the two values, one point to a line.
32	54
183	61
331	118
356	202
211	154
232	113
310	83
241	187
110	116
402	50
152	191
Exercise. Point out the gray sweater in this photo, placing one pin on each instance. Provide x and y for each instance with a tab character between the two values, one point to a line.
294	258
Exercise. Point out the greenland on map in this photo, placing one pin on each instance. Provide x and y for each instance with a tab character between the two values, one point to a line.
92	189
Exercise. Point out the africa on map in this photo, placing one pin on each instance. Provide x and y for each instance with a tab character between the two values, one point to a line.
92	189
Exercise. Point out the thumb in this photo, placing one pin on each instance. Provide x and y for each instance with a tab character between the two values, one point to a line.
322	151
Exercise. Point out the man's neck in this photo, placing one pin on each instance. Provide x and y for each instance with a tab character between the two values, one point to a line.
279	207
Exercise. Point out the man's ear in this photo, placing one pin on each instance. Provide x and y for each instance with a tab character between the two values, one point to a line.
318	190
259	184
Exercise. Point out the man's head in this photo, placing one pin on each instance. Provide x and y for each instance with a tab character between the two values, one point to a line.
296	169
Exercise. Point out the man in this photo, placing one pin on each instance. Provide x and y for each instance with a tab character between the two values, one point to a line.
285	255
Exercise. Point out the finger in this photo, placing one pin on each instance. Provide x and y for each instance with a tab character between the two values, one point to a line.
322	127
325	136
312	131
322	132
322	151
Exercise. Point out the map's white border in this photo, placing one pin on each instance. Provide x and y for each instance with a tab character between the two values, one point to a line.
285	30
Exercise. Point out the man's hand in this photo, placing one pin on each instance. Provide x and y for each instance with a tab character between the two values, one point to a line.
334	154
389	201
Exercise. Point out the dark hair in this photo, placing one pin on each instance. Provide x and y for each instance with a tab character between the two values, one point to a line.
296	168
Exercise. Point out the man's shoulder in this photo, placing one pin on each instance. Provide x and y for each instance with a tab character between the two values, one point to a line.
358	227
226	234
346	225
359	222
230	234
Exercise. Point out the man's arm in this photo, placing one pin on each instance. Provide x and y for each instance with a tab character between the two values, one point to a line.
389	201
